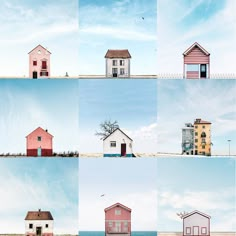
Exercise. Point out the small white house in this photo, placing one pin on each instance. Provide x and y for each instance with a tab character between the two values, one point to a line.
117	144
196	223
118	63
39	223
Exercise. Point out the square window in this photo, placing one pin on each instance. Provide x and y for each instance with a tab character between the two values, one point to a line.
34	63
196	133
204	230
117	212
46	226
39	138
113	144
114	62
30	226
122	71
196	140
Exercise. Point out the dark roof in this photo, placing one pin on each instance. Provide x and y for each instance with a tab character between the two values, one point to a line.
39	215
198	46
200	121
120	131
196	212
117	204
118	53
40	129
39	46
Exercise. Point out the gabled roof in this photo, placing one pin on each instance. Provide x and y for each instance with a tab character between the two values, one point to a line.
200	121
39	128
117	204
120	131
196	212
198	46
39	215
117	53
37	47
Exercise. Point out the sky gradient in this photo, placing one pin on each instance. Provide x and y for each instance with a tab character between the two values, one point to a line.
42	183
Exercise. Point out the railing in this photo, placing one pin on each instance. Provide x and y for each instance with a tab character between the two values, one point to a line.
223	76
212	76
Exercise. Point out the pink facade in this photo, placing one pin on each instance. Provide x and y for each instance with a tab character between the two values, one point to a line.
117	220
196	62
39	62
39	143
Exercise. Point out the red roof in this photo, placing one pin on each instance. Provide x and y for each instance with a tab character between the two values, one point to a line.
39	215
39	128
123	53
196	45
200	121
39	46
117	204
120	131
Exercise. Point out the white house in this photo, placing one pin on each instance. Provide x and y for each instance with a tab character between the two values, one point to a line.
39	223
118	63
117	144
196	223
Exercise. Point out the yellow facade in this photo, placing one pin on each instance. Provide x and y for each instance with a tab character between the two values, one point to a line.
202	137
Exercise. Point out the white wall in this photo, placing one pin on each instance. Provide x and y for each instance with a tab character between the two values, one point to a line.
39	223
120	138
109	66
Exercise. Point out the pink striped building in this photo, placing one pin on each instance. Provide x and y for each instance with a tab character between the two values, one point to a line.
39	143
117	220
196	62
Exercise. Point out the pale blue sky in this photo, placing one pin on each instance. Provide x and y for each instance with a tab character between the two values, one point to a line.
208	22
207	185
117	25
49	184
26	105
132	182
133	103
181	102
25	24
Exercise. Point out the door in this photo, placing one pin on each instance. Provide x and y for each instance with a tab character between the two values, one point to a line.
123	149
195	230
38	231
118	227
39	152
203	71
114	72
35	75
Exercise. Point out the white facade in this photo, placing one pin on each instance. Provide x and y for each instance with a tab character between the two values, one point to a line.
31	227
117	144
118	67
196	223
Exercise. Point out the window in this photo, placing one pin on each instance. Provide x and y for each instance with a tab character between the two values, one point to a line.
192	67
203	146
114	70
110	224
203	140
195	147
30	226
203	126
34	63
44	65
196	140
196	133
188	230
122	62
113	144
203	135
195	126
117	212
46	226
39	138
204	230
43	73
122	71
114	62
125	223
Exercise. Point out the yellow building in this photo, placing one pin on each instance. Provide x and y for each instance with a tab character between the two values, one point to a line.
202	137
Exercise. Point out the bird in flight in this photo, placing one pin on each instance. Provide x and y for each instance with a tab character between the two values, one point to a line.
102	195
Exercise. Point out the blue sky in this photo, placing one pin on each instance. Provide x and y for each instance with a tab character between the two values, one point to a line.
207	185
117	25
181	102
133	103
183	22
25	25
26	105
121	180
43	183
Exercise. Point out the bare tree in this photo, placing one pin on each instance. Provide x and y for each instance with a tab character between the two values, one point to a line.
107	127
182	214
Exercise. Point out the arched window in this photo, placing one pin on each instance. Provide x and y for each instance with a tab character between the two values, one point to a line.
203	135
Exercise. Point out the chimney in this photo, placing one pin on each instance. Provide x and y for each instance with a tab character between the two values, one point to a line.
46	130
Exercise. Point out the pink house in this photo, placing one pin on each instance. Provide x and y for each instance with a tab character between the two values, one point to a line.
39	143
117	220
39	62
196	62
